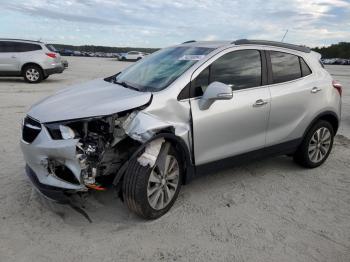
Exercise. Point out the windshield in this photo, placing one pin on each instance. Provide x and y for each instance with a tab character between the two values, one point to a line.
160	69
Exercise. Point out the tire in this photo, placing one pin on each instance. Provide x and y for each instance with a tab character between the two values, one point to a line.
316	145
138	185
33	74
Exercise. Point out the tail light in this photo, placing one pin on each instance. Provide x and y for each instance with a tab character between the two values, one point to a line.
52	55
337	86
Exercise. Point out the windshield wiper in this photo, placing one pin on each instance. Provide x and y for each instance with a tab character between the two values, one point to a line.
126	85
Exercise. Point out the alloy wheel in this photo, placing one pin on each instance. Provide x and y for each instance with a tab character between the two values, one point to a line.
163	182
32	74
319	144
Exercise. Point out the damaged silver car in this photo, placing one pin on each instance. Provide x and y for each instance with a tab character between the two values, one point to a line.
182	111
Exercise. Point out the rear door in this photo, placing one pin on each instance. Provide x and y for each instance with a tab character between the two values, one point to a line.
231	127
291	94
9	57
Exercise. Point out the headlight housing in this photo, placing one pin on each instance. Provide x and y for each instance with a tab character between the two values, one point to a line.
60	131
67	132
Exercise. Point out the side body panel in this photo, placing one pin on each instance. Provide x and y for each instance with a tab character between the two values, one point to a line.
293	104
9	62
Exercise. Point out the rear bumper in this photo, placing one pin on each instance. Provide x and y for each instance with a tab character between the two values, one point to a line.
55	70
53	193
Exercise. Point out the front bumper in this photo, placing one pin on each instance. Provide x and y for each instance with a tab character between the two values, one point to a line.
53	193
42	149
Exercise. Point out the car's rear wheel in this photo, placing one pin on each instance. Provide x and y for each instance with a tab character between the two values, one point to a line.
33	74
316	146
151	192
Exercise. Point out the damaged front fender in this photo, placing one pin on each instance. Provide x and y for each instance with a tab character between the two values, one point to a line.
142	126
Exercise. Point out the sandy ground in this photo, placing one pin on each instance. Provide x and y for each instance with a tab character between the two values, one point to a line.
269	210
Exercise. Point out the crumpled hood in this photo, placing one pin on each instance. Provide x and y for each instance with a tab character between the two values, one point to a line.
94	98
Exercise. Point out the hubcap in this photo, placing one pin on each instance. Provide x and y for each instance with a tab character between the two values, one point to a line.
319	145
162	183
32	74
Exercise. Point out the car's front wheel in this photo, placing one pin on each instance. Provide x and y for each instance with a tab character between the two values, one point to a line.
316	145
151	192
33	74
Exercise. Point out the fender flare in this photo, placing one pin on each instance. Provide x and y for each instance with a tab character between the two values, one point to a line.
318	117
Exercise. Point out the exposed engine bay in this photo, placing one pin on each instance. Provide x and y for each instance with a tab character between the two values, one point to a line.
102	148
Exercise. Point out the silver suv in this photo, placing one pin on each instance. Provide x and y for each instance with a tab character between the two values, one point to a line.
181	112
33	60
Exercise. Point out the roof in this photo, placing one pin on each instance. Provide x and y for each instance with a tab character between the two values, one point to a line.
209	44
22	40
218	44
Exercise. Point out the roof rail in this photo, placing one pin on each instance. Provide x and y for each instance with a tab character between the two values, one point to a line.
190	41
272	43
15	39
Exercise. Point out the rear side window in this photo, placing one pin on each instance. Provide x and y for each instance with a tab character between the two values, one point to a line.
239	69
27	47
8	46
305	69
51	48
285	67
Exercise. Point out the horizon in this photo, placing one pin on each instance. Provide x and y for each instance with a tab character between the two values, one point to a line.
317	23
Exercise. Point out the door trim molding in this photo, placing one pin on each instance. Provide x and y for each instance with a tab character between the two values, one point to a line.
274	150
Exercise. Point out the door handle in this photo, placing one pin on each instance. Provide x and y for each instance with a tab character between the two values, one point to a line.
315	90
260	102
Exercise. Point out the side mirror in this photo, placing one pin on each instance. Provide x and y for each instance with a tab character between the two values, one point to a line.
215	91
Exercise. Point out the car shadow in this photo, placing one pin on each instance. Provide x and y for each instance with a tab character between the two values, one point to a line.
107	207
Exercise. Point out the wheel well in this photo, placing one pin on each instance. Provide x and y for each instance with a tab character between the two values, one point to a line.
333	120
31	64
326	116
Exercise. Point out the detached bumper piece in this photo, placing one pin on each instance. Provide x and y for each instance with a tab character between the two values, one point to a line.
54	193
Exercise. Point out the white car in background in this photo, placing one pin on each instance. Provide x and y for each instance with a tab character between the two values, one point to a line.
33	60
133	55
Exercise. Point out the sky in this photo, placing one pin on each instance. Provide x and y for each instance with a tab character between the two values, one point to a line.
160	23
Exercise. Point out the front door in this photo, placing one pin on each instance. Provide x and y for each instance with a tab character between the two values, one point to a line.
236	126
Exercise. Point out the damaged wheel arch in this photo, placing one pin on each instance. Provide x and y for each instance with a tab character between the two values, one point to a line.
177	143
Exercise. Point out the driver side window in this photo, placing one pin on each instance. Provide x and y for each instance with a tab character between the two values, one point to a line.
238	69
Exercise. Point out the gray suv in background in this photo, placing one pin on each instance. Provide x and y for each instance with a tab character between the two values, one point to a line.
33	60
180	112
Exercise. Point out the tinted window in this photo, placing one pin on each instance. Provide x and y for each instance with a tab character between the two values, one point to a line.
26	47
6	46
305	69
240	69
285	67
201	83
51	48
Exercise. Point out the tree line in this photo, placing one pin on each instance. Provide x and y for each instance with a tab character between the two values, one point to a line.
104	49
340	50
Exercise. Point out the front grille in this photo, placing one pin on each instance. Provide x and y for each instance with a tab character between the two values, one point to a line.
31	129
